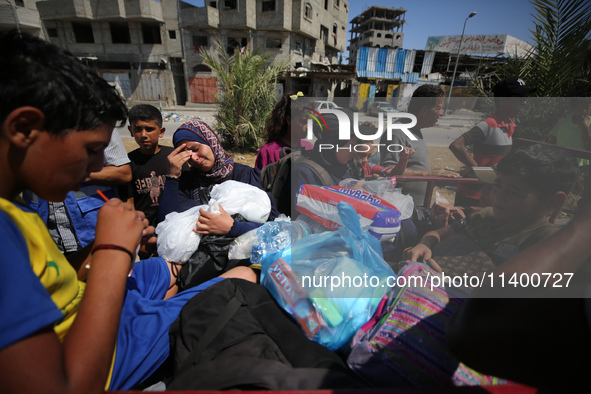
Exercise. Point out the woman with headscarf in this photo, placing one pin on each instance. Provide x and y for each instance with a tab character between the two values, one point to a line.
196	144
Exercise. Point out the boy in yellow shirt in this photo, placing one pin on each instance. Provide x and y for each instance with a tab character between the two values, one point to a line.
56	333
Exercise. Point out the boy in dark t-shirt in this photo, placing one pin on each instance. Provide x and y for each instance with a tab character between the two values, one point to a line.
149	164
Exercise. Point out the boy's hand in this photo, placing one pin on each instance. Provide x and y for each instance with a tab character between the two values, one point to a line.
407	153
176	159
441	214
420	252
445	174
120	224
214	223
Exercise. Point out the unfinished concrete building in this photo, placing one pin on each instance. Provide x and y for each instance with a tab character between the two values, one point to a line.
312	32
134	44
23	12
377	27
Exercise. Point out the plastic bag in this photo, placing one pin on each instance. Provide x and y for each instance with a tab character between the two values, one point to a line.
271	237
381	218
176	239
386	189
303	277
239	197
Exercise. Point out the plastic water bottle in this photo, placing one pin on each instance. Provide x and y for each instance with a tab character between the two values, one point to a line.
275	236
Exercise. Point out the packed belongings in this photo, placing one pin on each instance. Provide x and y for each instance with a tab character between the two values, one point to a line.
377	216
303	280
176	239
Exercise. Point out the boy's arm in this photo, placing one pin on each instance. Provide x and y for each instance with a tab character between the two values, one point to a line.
458	148
422	251
400	167
112	175
517	329
39	362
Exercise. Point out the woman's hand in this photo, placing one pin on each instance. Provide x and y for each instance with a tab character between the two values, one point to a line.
214	223
176	159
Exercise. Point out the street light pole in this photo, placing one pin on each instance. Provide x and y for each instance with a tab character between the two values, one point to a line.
453	77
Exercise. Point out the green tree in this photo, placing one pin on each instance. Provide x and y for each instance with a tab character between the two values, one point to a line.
558	66
247	94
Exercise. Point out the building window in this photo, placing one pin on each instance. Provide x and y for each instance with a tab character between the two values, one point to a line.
172	34
201	68
200	41
398	37
151	33
388	36
52	32
308	12
230	4
269	5
83	32
213	4
235	44
326	4
337	3
324	34
19	3
379	35
335	29
119	33
298	47
274	43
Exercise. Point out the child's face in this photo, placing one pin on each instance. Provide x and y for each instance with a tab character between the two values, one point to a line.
299	127
59	164
202	158
515	202
146	135
363	157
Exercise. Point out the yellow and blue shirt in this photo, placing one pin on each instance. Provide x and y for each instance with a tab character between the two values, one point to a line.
39	288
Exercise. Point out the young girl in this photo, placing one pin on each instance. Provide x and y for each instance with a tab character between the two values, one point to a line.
196	144
282	129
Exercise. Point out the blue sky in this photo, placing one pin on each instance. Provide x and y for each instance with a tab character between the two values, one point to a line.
426	18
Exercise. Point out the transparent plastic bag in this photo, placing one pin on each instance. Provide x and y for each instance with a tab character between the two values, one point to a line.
386	189
176	239
271	237
303	277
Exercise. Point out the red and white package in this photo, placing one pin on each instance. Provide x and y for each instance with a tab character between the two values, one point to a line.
376	215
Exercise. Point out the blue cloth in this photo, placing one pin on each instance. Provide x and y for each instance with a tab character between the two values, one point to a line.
142	341
185	134
26	306
181	194
82	207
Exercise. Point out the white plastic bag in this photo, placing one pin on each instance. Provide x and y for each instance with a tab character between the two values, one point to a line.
387	190
176	239
247	200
